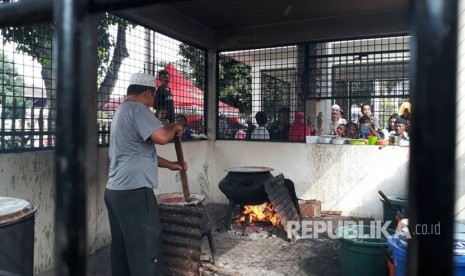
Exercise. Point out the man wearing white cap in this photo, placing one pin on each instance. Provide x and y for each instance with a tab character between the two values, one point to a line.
129	197
336	120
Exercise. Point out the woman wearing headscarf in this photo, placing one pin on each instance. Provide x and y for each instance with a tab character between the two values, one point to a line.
298	129
405	112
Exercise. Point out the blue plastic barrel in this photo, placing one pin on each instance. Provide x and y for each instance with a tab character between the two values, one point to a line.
459	249
459	261
399	256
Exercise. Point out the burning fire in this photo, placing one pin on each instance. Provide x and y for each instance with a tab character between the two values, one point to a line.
260	213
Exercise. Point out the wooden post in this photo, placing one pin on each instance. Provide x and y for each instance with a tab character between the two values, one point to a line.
180	155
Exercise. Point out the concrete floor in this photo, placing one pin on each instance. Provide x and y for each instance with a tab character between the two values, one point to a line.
251	255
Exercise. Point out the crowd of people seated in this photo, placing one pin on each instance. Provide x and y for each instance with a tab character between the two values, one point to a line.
193	130
365	127
279	130
368	125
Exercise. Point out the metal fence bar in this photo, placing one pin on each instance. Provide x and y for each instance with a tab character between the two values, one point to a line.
432	168
76	85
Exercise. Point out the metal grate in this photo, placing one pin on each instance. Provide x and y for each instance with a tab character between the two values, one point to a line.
150	52
307	79
27	95
353	72
27	91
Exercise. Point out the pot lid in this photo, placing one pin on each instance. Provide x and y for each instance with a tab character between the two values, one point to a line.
12	209
249	169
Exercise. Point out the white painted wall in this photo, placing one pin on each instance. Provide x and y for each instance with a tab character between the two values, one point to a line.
30	176
344	178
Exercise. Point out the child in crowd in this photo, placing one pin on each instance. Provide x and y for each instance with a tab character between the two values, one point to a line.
366	129
161	114
187	133
341	130
351	130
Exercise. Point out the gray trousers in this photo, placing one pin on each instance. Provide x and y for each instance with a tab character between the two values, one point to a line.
135	232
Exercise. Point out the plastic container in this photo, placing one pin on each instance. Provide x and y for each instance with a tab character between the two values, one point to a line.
360	255
459	262
325	139
398	248
459	249
382	142
357	142
372	140
311	139
339	141
17	219
399	255
400	202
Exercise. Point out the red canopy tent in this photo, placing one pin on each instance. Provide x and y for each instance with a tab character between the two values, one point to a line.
113	103
184	92
187	94
187	97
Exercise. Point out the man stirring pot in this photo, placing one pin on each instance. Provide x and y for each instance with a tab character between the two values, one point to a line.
129	197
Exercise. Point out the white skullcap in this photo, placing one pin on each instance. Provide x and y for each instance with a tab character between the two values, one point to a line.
337	107
142	79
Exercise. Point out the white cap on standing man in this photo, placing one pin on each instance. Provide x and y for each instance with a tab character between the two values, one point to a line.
142	79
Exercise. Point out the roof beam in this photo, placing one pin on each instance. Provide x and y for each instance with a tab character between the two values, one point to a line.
171	22
327	28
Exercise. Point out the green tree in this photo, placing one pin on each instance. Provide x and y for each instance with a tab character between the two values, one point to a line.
235	84
194	58
37	41
12	90
234	78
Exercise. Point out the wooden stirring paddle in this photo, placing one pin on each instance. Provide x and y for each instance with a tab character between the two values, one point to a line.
180	155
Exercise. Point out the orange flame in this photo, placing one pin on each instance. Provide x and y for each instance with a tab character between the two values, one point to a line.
260	213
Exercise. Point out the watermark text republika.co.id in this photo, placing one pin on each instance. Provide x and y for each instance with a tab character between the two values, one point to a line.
313	229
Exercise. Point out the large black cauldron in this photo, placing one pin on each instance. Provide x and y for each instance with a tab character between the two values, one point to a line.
244	186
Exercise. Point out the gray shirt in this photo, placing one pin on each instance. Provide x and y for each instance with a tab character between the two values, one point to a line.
133	157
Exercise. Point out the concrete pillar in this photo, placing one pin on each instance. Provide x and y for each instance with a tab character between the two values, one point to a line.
211	94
